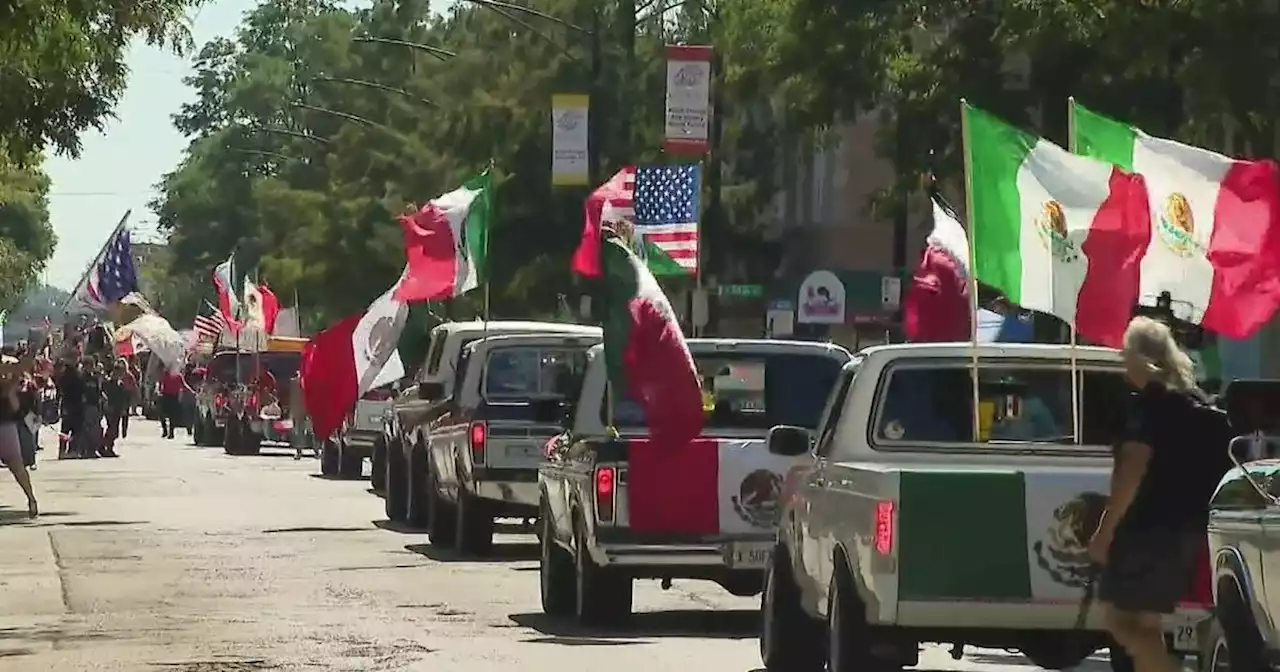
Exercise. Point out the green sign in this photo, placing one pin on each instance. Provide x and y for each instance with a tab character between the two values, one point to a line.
741	291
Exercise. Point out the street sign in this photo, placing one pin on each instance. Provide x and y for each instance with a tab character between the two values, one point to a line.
741	291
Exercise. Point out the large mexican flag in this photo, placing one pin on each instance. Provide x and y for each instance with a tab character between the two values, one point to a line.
1216	247
446	243
1057	233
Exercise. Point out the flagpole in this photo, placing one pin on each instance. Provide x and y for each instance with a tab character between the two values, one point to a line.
96	260
697	270
1075	359
973	265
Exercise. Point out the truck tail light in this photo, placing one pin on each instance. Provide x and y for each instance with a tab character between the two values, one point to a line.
606	487
477	435
884	527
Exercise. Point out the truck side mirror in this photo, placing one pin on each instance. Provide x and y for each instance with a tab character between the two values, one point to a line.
789	441
430	391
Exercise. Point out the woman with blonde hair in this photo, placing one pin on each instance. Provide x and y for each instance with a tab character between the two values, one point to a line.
1167	463
12	370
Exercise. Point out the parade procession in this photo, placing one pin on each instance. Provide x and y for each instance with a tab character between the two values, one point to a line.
755	335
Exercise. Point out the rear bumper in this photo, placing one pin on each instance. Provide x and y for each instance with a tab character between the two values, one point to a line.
729	555
514	493
361	439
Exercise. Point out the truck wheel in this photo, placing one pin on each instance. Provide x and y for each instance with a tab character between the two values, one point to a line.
443	520
848	637
328	458
251	442
1066	651
418	507
350	463
1242	642
474	533
790	640
555	573
603	594
396	482
231	437
377	477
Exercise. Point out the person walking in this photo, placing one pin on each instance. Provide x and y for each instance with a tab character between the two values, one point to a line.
92	444
11	372
170	388
1167	464
71	400
116	395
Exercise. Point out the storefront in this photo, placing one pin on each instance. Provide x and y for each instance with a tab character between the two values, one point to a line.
853	308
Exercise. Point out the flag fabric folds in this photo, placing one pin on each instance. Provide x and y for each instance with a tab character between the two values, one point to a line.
224	283
113	276
610	204
446	244
938	306
654	209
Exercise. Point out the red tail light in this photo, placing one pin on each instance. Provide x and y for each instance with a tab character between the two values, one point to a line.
478	434
606	482
377	395
1201	594
884	526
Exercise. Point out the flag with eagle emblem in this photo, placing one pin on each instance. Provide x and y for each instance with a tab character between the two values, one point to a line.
445	243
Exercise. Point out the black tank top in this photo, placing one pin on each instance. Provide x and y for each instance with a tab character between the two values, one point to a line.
9	412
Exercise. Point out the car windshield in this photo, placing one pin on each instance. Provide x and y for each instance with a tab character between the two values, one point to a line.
752	391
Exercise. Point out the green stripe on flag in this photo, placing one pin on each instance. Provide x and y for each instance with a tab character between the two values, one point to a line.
995	152
962	536
479	214
1102	138
659	263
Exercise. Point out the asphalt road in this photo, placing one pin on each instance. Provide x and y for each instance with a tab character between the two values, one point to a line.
182	559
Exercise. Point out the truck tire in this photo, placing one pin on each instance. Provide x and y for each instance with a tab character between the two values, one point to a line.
848	637
443	520
329	459
1241	639
250	442
790	640
396	480
350	463
377	474
603	594
556	578
474	529
417	503
1067	651
231	437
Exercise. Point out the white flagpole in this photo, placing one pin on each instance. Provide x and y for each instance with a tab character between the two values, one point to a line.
102	253
1075	362
973	260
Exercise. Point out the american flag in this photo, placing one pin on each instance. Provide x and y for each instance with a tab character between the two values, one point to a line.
209	327
114	276
666	214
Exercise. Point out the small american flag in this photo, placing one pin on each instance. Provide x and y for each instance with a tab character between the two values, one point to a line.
209	327
115	276
666	214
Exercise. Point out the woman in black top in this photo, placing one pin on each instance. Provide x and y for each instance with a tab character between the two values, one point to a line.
11	371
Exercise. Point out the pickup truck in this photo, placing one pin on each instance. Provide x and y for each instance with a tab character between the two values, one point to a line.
406	478
615	507
932	508
485	452
343	455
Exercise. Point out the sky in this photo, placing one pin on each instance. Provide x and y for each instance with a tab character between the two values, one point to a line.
119	167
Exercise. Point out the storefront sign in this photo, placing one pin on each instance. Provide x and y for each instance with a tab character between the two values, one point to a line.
740	291
821	299
688	99
570	135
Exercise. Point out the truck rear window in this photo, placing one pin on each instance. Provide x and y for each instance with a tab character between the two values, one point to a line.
752	392
282	365
532	373
933	404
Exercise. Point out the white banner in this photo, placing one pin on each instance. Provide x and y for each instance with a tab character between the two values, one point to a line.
688	99
570	137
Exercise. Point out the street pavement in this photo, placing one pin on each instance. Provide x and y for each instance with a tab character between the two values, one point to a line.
174	558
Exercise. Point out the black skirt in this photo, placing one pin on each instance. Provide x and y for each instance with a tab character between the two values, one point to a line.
1150	571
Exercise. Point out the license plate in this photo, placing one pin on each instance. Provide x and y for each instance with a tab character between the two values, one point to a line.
375	421
1184	638
748	555
524	452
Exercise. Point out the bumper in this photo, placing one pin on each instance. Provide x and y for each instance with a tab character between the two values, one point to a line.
361	439
522	493
749	555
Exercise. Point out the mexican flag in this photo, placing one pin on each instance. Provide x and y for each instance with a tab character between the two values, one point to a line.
1057	233
446	243
224	283
645	351
938	306
1216	246
350	358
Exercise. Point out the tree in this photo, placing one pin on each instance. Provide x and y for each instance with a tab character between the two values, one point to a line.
64	64
26	236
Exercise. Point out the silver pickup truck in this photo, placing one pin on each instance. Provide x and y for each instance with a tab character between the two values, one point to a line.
915	517
615	507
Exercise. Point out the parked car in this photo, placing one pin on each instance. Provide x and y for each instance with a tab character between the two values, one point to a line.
930	507
607	516
344	454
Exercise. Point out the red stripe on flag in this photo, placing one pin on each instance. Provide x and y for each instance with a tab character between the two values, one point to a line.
1244	249
680	253
670	236
673	489
1115	246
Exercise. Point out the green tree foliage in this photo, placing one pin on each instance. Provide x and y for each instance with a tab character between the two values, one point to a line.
309	139
64	64
26	237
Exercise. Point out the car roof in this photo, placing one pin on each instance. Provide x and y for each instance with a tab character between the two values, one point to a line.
704	346
1086	353
514	326
491	342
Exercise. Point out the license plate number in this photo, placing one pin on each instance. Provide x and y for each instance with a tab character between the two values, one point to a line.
748	555
375	421
1184	638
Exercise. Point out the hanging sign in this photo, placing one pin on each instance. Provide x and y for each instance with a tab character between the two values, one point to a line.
688	99
570	136
821	299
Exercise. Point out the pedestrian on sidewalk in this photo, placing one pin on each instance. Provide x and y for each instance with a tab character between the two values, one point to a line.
11	371
71	400
1168	463
170	388
29	428
116	394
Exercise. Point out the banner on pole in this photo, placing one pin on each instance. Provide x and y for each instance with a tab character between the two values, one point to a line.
688	99
570	137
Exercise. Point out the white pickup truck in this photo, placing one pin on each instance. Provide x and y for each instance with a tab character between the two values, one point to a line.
616	507
913	519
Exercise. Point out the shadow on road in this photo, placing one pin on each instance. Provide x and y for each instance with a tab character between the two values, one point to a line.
500	553
395	526
49	634
683	623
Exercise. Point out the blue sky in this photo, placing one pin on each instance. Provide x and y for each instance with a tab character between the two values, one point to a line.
117	168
